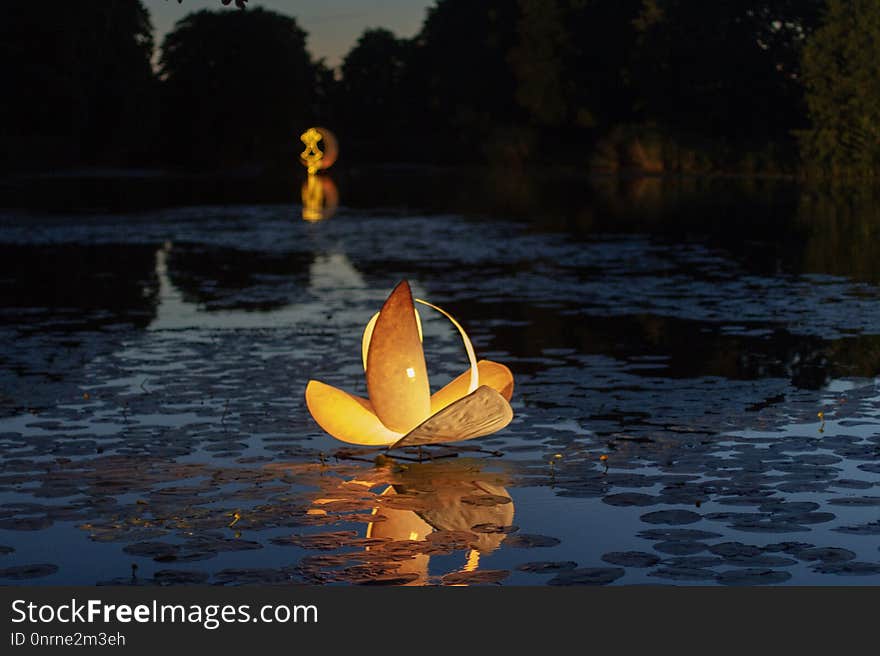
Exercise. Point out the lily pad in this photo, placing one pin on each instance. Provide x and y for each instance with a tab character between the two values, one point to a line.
544	566
680	547
630	499
476	577
529	541
179	577
826	554
871	528
684	574
849	568
631	558
588	576
673	517
22	572
753	576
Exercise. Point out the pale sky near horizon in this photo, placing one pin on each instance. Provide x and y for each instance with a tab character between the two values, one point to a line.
332	25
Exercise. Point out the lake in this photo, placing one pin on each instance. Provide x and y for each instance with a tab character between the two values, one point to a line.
695	364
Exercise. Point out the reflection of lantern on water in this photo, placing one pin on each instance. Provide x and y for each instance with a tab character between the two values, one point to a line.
435	508
314	157
401	411
320	198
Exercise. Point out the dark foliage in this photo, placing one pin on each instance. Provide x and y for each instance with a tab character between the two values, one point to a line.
236	88
653	85
78	81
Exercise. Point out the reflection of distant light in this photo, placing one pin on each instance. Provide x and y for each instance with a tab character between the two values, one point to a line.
411	373
319	198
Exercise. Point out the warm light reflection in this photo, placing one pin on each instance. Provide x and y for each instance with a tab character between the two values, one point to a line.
320	198
400	410
433	508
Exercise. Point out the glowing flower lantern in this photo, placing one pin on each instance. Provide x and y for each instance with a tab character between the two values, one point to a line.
400	410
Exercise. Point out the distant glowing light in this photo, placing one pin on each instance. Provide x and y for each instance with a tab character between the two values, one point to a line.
315	158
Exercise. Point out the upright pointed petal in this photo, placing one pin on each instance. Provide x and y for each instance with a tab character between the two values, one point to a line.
493	374
397	379
368	334
481	413
346	417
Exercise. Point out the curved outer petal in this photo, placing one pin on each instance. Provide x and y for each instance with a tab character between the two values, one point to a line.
346	417
480	413
493	374
397	379
468	347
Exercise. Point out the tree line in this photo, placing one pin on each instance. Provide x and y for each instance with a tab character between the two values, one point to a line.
748	86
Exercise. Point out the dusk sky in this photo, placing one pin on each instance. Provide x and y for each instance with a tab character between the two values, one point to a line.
333	25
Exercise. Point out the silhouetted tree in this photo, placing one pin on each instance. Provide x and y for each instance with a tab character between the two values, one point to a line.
726	69
459	80
842	80
372	103
538	60
238	88
78	84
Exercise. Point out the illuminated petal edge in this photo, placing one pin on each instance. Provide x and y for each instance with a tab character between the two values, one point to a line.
493	374
480	413
347	417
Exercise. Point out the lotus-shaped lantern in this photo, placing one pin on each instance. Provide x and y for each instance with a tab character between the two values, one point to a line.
401	411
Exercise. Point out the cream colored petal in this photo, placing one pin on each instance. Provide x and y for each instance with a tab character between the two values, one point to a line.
397	380
368	334
481	413
493	374
347	417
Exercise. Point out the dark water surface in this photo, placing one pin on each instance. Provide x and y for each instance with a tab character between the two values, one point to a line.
672	345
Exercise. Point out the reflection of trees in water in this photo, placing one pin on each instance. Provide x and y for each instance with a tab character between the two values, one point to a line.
842	228
217	278
85	285
684	348
63	306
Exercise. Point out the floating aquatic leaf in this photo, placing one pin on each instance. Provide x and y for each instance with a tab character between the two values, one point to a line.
825	554
631	558
630	499
528	541
179	577
319	541
25	523
855	501
674	517
492	529
684	574
680	547
253	576
21	572
588	576
751	576
476	577
849	568
677	534
543	566
870	528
